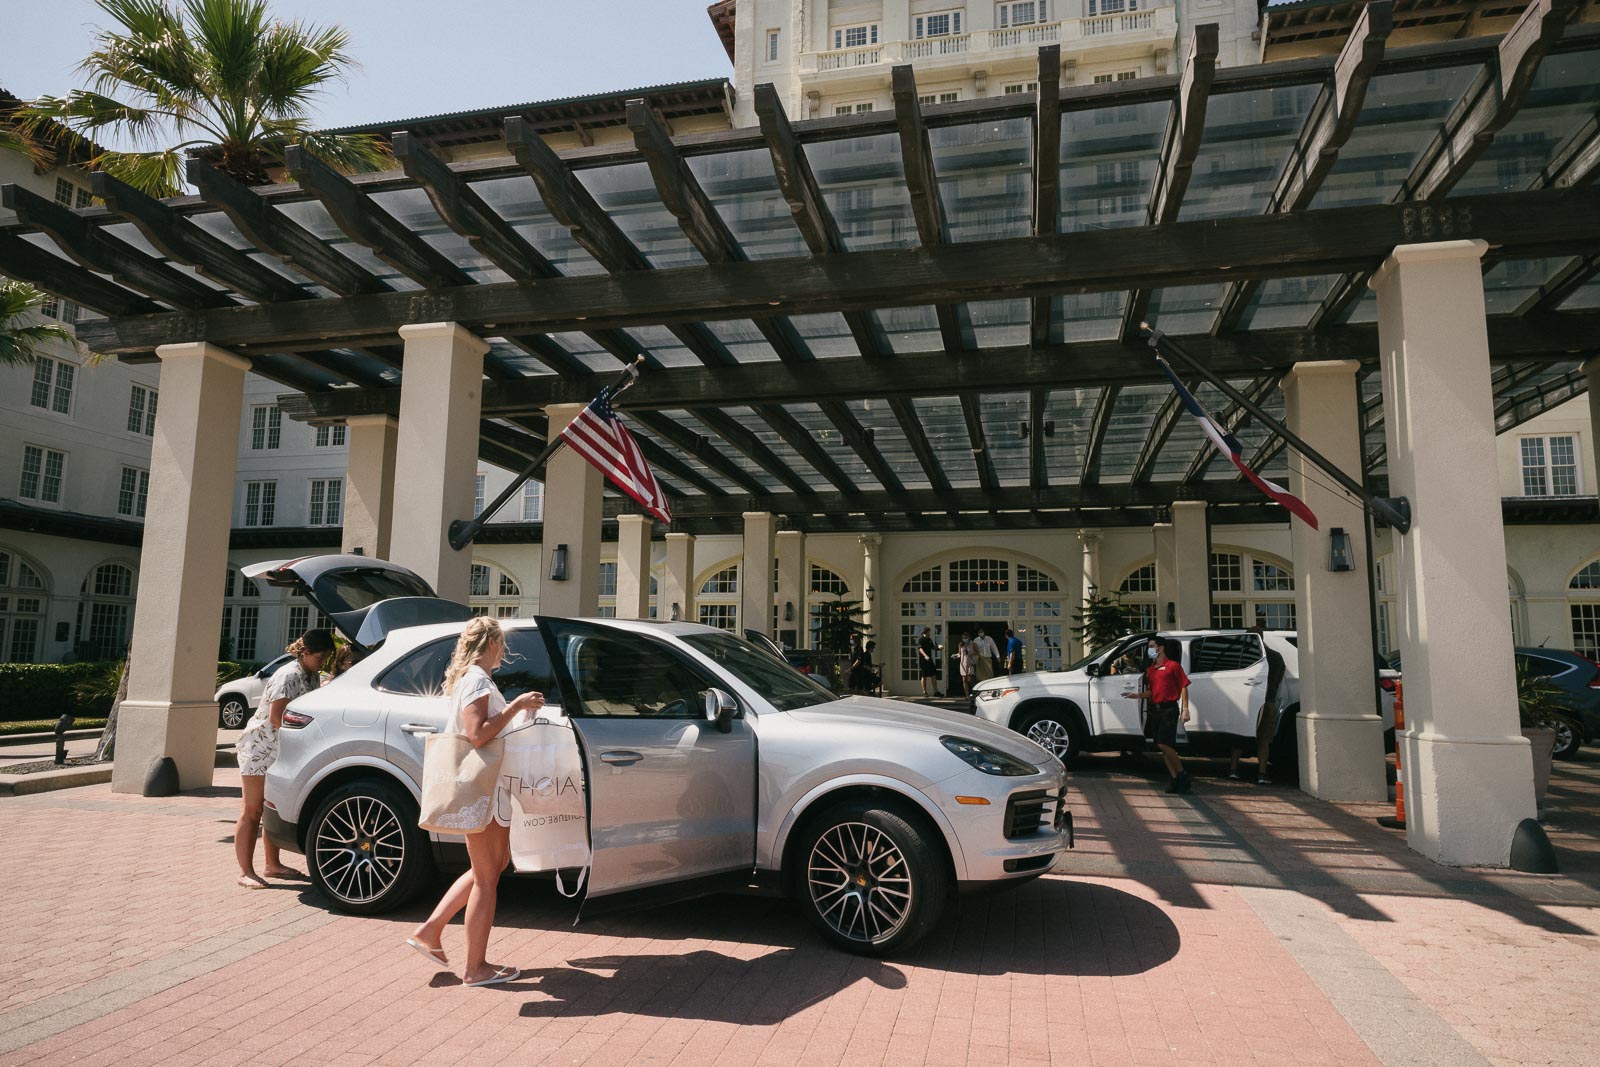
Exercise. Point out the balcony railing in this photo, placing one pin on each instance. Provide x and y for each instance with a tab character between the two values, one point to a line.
1099	28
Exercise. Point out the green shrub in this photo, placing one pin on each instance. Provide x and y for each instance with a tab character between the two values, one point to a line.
48	690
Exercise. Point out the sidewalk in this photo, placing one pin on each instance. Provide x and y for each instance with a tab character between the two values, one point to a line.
1237	925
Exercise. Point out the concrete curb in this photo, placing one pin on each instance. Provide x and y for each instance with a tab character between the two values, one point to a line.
17	785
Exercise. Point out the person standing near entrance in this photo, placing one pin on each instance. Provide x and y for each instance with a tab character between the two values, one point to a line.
928	662
1167	688
988	656
1267	725
967	662
1013	653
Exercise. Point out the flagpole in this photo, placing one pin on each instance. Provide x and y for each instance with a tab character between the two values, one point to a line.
1392	511
463	531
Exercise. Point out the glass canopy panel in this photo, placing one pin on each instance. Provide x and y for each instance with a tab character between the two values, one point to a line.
1586	296
643	433
826	334
1399	119
995	323
1087	316
890	441
314	217
1548	386
741	338
1071	414
666	348
687	420
864	184
1507	284
753	422
1283	302
911	329
1252	435
1005	416
985	178
1186	438
831	438
220	226
129	233
1365	309
587	351
1108	163
1564	95
517	201
1247	138
744	190
413	210
1135	410
1182	309
519	359
1372	435
629	196
946	430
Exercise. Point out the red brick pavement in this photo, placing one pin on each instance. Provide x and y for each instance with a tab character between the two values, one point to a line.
129	944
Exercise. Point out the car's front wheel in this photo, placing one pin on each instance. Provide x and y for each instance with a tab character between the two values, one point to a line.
1054	729
872	880
1568	740
364	848
232	712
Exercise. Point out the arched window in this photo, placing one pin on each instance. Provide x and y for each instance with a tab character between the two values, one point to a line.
718	601
1138	591
1247	588
1583	602
992	594
491	590
22	602
104	612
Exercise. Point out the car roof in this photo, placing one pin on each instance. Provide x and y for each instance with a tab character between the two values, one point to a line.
413	636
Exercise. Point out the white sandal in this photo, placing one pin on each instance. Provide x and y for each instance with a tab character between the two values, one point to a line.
501	974
435	955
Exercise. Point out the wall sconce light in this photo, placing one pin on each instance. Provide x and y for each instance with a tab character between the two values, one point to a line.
788	611
871	592
1340	555
558	564
677	611
1172	614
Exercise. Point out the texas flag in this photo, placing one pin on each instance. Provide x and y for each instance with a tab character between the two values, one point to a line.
1229	446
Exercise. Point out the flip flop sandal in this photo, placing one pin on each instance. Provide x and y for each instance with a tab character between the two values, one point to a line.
251	883
502	974
436	955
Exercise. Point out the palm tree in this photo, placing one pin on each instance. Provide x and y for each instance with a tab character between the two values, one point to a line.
220	78
20	341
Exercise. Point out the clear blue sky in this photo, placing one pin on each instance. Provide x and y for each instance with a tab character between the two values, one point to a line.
422	57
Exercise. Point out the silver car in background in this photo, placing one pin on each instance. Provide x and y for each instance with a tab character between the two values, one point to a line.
710	766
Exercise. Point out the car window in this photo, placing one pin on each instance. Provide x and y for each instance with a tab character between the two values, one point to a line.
1223	652
623	674
272	668
420	672
526	666
351	588
1542	666
781	685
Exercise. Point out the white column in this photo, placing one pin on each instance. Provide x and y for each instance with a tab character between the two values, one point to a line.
1341	736
793	578
755	588
678	590
1191	542
177	620
870	593
436	455
573	494
1468	770
1091	564
369	484
633	566
1166	550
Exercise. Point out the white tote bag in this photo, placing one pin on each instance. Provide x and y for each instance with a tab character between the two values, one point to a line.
543	777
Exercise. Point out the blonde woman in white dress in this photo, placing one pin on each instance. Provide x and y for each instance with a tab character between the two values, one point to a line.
480	712
258	750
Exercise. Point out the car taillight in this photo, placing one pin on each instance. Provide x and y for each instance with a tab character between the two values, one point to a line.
296	720
1386	684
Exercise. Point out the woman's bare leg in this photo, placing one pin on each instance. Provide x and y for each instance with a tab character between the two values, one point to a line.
488	851
431	932
244	831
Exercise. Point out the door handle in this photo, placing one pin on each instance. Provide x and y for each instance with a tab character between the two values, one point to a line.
621	758
1253	681
418	728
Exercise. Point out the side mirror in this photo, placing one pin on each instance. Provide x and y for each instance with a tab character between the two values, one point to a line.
1092	670
720	709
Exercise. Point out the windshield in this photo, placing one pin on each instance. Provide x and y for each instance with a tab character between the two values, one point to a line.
780	684
353	588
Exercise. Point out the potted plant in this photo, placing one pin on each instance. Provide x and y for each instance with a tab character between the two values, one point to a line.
1541	711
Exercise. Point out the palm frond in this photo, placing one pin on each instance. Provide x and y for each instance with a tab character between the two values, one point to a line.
157	174
349	152
15	140
20	341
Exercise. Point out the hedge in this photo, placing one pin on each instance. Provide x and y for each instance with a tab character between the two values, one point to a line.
48	690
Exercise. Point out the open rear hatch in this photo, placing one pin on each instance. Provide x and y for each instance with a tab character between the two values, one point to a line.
366	598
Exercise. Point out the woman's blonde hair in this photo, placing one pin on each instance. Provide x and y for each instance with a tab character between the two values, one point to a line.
481	632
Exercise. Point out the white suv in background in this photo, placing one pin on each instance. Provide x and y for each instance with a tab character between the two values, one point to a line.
238	699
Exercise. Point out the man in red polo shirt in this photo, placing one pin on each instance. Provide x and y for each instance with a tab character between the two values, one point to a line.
1167	687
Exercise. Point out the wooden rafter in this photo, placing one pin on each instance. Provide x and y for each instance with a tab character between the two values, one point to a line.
922	183
1233	418
744	440
797	437
1046	175
1038	468
973	417
1098	425
701	448
59	277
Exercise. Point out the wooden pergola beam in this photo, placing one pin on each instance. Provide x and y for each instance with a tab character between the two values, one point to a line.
701	448
973	417
905	414
58	277
997	499
922	184
1101	422
1161	428
855	436
744	440
1046	175
1038	467
797	437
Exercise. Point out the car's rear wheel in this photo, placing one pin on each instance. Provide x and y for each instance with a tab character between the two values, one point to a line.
1568	740
233	711
364	848
1054	729
872	881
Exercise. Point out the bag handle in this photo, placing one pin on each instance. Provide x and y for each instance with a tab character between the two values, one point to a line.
577	887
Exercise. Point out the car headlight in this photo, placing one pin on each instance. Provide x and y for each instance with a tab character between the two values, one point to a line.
996	694
988	760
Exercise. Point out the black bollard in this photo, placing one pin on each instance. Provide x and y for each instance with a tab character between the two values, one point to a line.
63	724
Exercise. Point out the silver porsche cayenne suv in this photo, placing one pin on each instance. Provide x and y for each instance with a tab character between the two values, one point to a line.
710	766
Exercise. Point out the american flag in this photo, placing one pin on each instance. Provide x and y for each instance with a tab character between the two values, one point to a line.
1229	446
597	434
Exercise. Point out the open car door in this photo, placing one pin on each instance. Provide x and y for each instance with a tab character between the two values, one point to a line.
671	793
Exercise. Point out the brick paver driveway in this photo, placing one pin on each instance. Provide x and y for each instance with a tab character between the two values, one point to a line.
1235	926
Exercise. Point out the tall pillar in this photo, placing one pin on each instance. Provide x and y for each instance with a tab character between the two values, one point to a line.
678	590
1166	549
441	398
1191	544
870	544
1340	733
793	578
1089	582
760	548
573	494
1468	770
633	566
369	484
177	620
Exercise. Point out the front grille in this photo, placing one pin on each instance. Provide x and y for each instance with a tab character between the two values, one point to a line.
1025	812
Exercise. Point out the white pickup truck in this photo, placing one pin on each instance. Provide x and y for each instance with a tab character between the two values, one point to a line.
1082	709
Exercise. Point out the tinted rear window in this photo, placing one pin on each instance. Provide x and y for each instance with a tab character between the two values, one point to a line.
526	666
1224	652
352	588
